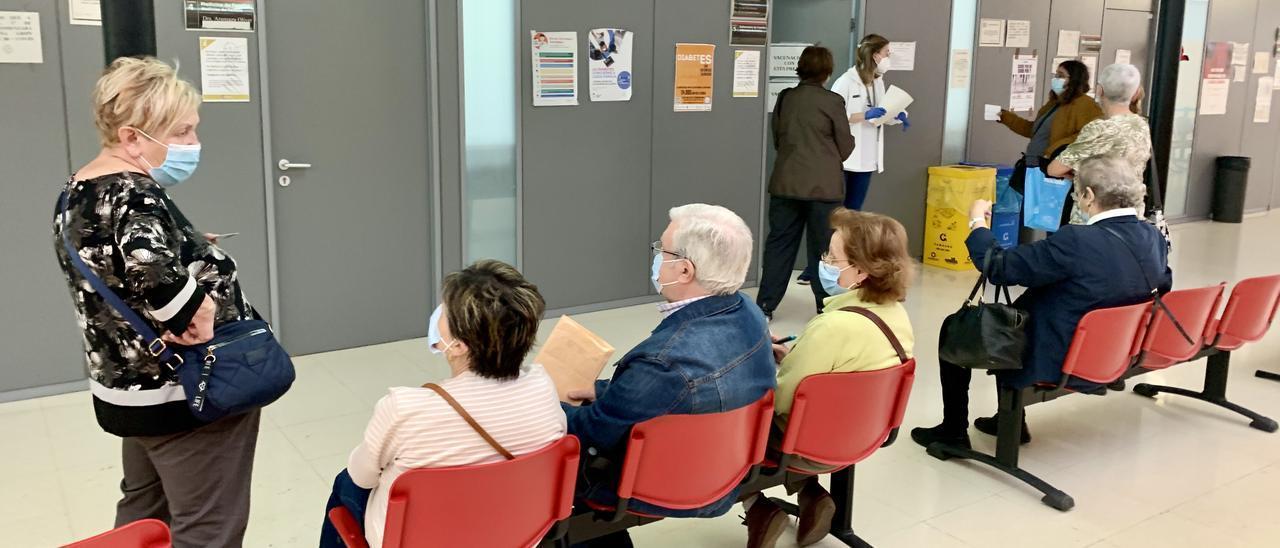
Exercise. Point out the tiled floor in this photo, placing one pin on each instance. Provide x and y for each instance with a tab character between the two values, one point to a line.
1169	473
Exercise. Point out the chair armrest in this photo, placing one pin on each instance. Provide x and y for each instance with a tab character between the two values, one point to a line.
351	532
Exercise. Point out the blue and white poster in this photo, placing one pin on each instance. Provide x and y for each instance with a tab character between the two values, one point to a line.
609	64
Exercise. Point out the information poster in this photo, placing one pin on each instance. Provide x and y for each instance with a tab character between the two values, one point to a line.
555	68
233	15
1262	107
1262	62
20	38
746	73
961	61
1018	34
1123	56
1068	43
991	33
1213	96
224	69
783	59
85	12
1022	87
695	71
609	64
1239	54
1217	61
902	56
748	22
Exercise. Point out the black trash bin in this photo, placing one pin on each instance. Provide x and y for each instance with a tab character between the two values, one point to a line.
1229	184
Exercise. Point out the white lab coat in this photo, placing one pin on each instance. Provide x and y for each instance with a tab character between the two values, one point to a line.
868	139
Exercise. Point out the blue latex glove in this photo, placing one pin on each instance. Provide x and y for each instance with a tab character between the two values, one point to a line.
873	113
902	117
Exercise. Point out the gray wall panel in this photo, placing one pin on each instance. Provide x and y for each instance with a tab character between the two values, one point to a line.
822	22
449	54
41	343
586	172
1229	20
712	157
1260	141
990	141
900	191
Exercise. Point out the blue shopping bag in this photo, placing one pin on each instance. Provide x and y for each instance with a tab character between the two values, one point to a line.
1044	200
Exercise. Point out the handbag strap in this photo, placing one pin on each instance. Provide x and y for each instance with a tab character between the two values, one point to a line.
884	328
1155	292
155	345
470	421
980	288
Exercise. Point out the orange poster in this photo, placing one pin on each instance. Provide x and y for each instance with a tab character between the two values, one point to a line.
695	67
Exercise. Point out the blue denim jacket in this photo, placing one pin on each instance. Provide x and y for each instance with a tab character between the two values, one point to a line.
713	355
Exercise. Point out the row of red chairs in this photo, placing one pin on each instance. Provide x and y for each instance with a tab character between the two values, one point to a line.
674	461
1114	344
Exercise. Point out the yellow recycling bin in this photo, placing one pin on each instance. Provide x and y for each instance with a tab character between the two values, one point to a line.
952	190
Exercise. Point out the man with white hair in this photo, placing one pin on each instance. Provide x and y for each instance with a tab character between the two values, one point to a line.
1121	133
710	353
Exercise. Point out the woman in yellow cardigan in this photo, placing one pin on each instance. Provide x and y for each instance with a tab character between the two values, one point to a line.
867	266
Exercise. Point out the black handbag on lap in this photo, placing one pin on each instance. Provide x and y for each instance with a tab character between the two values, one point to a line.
985	335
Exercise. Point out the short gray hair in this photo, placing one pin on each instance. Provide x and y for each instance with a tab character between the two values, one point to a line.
718	243
1119	82
1113	181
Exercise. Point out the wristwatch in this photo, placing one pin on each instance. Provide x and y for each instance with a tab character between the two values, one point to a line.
977	222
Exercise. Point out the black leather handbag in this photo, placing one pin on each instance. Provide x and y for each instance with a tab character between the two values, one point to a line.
985	335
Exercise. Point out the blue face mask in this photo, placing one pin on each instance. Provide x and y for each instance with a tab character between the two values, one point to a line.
1058	85
433	330
180	162
653	274
830	277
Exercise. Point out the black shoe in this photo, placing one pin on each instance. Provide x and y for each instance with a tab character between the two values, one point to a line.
991	427
938	434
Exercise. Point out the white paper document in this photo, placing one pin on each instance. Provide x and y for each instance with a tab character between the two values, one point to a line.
1240	73
746	73
1213	96
20	37
902	56
991	113
1022	85
1068	43
224	69
895	101
1262	107
1123	56
1240	54
1017	34
1262	62
961	60
991	33
85	12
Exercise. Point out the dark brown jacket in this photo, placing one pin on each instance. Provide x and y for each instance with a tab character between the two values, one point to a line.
811	135
1066	125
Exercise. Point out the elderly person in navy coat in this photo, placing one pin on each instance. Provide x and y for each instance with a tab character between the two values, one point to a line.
1116	259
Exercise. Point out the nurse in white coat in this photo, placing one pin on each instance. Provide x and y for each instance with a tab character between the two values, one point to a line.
862	87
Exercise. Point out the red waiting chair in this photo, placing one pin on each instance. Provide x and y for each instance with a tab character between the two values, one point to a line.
1194	310
1250	311
147	533
839	419
509	503
690	461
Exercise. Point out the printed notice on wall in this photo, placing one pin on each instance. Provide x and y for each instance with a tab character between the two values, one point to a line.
1123	56
902	56
85	12
1239	54
776	88
1091	62
695	71
1022	87
224	69
20	37
609	64
991	33
748	22
783	58
1068	43
1017	34
1262	107
746	73
1213	96
1262	62
1217	60
555	68
232	15
961	60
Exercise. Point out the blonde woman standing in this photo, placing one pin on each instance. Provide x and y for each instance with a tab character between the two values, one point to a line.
862	88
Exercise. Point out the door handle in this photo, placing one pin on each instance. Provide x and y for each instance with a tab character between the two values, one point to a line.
284	165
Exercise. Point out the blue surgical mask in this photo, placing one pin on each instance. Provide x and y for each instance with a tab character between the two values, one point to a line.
830	277
1058	85
180	162
433	331
657	267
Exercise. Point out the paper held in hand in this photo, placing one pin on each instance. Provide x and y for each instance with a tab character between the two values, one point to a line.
573	356
895	101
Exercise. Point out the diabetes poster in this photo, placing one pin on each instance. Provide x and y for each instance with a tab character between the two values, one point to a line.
695	70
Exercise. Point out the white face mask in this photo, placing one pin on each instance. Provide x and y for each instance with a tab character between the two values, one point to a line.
883	66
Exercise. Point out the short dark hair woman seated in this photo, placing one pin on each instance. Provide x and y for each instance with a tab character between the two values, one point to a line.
1114	260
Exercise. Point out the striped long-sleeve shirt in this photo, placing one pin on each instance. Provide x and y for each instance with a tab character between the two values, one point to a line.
416	428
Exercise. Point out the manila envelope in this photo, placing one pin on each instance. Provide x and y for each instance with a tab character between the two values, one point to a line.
573	356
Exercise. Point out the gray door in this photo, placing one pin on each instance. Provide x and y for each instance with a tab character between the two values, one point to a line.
1129	30
348	95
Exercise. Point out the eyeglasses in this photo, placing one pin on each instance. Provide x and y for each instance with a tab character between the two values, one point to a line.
656	247
831	260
